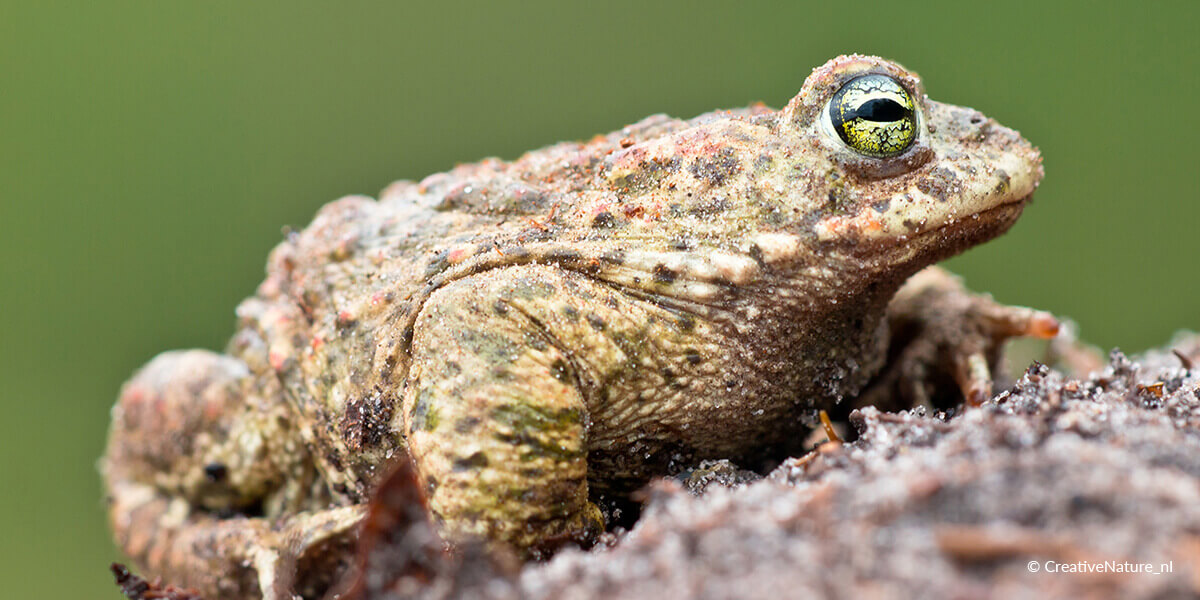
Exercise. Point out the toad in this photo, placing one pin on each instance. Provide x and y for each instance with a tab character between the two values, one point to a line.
547	334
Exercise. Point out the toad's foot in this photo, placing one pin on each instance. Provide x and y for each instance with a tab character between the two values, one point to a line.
945	338
183	491
236	557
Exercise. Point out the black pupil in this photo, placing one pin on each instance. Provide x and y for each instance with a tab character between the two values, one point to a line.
880	110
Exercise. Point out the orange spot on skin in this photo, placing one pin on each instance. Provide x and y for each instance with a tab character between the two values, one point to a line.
316	343
863	223
134	394
542	225
212	410
598	208
276	359
656	212
457	255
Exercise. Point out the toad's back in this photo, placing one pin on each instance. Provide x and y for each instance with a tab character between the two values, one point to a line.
335	316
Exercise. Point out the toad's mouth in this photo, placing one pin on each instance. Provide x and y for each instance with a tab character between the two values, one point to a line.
868	236
1003	215
955	236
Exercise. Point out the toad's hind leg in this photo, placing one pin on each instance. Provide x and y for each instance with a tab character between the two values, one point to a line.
197	449
495	420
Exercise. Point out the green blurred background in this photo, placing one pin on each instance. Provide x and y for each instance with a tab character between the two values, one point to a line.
151	151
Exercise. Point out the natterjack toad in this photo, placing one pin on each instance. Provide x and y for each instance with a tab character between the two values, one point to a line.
544	333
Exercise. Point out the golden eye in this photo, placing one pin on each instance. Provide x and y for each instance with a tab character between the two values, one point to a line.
874	115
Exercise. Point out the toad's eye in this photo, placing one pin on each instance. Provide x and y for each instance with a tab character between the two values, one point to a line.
874	115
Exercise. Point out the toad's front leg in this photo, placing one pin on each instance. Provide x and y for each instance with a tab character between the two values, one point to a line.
494	415
945	338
